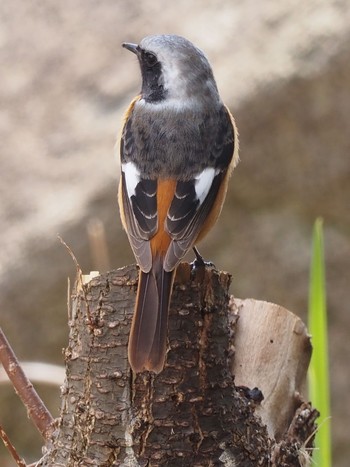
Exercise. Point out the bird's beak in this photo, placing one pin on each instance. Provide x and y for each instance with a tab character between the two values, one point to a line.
132	47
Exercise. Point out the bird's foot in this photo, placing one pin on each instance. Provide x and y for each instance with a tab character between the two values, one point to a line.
199	261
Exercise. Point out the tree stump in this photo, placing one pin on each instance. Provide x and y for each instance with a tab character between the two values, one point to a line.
196	412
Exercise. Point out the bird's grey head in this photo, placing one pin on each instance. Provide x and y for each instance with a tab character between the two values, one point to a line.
174	70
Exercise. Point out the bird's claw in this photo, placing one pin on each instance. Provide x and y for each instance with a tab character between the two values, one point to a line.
199	261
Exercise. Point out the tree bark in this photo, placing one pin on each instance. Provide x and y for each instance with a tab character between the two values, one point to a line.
196	412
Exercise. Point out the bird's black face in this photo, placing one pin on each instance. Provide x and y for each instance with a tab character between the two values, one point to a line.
152	79
151	71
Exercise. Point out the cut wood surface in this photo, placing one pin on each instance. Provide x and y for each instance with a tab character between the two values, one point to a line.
196	412
273	352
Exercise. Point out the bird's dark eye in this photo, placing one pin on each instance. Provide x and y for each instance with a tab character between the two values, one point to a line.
149	59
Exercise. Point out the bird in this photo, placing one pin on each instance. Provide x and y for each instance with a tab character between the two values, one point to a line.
178	147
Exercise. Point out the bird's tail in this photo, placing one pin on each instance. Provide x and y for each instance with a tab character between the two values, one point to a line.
148	335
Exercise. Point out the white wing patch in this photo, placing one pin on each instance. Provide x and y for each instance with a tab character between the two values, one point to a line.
203	182
132	177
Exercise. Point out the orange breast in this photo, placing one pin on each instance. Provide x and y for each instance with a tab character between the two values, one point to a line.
165	194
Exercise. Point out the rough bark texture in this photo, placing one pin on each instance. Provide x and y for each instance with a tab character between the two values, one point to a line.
191	414
282	67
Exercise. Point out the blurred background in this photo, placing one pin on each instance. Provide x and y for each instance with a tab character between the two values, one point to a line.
282	67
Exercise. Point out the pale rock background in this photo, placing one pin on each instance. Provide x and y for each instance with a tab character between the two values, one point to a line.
283	67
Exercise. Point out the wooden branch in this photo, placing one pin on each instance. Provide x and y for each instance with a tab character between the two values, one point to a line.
191	414
11	449
36	408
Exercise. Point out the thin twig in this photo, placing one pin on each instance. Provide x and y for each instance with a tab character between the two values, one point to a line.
79	278
72	255
36	409
10	447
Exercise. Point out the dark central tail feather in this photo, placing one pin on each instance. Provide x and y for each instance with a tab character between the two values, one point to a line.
158	351
148	335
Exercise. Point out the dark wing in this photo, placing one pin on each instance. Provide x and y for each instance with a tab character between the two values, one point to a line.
184	224
194	199
139	203
140	213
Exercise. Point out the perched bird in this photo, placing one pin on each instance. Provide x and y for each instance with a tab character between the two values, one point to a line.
178	147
